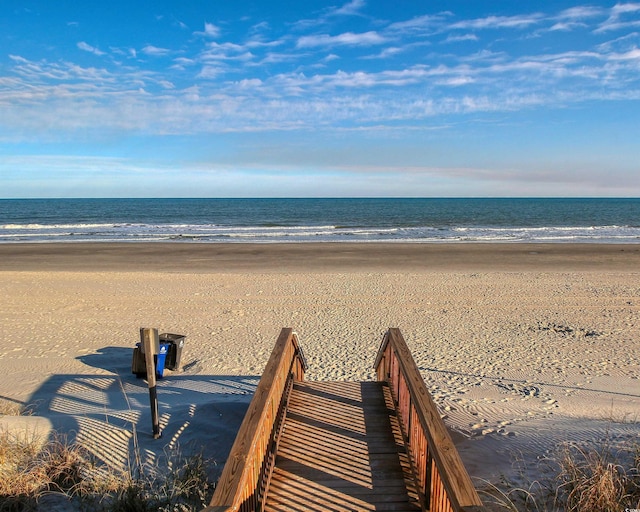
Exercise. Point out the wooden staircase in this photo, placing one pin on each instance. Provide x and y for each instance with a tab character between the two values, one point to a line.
343	446
342	449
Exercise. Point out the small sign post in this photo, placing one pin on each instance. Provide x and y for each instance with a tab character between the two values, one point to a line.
150	342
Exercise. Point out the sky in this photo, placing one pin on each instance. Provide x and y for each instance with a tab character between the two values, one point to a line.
353	98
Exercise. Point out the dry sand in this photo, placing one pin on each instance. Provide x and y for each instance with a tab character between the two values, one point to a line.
523	346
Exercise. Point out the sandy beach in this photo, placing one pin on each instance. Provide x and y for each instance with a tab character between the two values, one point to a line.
523	346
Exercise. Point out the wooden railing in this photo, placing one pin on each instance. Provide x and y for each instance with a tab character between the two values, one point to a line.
442	479
246	474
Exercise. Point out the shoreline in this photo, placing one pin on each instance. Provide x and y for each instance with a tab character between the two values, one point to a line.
317	257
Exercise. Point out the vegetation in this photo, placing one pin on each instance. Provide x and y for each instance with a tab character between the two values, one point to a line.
596	479
601	478
31	472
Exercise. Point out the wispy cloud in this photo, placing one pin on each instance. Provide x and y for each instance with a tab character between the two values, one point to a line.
155	51
346	39
452	38
349	9
291	81
419	24
498	22
618	18
210	30
85	47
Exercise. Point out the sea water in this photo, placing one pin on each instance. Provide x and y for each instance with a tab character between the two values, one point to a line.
320	220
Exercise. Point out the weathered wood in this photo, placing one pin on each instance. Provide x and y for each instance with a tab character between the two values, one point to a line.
338	452
150	341
245	475
442	476
343	446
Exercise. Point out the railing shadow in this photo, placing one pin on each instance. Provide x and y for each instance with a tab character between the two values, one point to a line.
339	452
107	412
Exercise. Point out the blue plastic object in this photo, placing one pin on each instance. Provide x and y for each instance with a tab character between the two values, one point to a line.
138	365
161	359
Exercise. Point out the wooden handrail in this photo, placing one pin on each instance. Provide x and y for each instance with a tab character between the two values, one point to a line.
246	473
442	479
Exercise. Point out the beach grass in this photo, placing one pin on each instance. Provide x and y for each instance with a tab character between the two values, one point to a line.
586	479
600	479
32	473
594	478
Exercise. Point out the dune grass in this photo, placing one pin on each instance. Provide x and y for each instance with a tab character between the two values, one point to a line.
599	479
578	478
31	471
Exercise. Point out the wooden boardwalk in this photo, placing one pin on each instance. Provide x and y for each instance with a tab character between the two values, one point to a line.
341	449
343	446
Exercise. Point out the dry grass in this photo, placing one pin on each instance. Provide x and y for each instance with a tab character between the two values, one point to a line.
599	479
581	479
30	471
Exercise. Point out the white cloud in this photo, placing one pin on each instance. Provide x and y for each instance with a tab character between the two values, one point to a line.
389	52
418	24
18	58
38	73
459	38
346	39
630	55
566	26
183	62
619	9
244	85
580	12
615	20
456	81
211	30
253	83
350	9
277	58
211	72
85	47
498	22
155	51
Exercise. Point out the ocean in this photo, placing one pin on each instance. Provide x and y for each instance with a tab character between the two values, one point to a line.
320	220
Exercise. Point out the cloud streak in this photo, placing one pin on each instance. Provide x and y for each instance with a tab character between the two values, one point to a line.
346	39
88	48
401	70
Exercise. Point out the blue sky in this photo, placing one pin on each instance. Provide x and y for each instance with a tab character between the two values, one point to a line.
199	98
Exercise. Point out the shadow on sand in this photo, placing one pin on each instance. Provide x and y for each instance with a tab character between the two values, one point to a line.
108	412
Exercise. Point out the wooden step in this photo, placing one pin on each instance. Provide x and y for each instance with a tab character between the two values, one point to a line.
341	450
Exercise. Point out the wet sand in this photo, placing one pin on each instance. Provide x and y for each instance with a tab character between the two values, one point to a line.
189	257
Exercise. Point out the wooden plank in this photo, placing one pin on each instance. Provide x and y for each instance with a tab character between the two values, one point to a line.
338	452
338	500
281	474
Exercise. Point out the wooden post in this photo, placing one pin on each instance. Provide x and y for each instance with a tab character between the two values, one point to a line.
150	342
